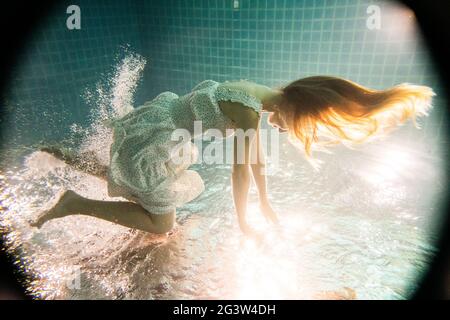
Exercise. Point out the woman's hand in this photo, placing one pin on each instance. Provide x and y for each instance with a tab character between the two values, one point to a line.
249	231
268	212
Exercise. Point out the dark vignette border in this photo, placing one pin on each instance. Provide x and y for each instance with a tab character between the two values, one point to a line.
20	17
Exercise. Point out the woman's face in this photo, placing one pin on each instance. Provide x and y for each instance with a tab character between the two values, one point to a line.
277	119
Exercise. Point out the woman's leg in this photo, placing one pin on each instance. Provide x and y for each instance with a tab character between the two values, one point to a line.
86	161
127	214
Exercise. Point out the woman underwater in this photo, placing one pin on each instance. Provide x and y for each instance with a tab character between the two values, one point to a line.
315	111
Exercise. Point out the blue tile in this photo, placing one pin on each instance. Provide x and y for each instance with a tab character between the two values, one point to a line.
267	41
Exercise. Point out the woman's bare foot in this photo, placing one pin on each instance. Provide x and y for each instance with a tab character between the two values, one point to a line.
59	210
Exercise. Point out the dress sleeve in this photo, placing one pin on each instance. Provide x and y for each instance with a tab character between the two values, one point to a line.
236	95
204	84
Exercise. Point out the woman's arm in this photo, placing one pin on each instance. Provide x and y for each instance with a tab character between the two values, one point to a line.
240	175
258	167
246	121
240	178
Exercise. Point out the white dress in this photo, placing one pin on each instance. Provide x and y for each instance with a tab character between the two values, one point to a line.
141	168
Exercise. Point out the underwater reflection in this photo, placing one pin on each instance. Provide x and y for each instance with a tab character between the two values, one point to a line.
360	227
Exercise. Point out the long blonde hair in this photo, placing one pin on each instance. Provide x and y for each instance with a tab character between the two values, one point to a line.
329	110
